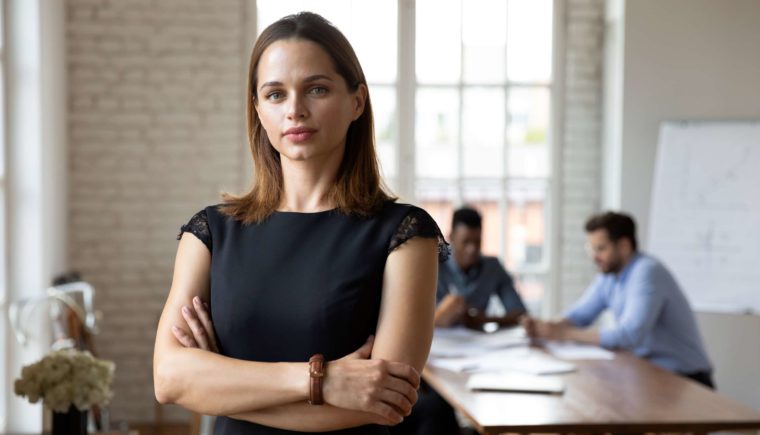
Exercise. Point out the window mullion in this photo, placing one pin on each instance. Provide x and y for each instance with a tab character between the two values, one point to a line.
552	297
460	135
504	197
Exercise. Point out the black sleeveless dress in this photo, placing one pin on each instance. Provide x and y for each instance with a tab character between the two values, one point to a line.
301	283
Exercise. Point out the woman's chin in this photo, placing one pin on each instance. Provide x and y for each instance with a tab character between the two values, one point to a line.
304	153
298	156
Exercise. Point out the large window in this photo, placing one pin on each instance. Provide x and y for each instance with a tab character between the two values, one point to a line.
483	105
482	92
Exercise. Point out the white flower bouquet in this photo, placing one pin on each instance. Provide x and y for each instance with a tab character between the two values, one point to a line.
67	377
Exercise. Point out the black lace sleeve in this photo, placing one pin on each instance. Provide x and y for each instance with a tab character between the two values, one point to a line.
418	223
198	226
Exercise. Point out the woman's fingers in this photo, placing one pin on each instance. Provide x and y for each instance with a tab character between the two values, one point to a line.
387	412
404	388
201	309
201	329
363	352
404	371
397	380
183	337
398	401
396	386
195	326
386	389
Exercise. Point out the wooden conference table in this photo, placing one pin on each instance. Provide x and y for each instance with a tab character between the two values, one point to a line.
626	394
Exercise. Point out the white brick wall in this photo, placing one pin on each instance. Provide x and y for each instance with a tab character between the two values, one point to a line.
581	151
156	92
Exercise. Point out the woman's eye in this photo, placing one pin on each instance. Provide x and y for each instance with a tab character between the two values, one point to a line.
274	96
318	90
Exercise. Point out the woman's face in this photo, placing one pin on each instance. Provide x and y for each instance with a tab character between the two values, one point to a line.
304	105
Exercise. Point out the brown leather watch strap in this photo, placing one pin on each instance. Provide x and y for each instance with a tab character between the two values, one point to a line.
317	367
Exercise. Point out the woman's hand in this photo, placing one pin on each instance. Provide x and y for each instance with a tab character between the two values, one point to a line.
384	388
201	333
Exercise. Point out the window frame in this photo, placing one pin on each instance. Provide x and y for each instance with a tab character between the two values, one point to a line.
548	269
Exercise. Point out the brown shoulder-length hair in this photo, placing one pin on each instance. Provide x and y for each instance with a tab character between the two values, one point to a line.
358	187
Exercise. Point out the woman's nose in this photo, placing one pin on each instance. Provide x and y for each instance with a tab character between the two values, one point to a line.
297	109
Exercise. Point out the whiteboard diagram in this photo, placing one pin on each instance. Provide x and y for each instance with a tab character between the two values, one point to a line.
705	215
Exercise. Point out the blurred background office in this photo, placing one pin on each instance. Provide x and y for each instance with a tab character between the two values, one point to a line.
121	118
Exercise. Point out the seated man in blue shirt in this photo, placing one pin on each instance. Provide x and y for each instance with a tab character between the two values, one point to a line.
468	279
653	317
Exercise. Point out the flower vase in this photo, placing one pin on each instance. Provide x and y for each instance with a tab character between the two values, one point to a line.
72	422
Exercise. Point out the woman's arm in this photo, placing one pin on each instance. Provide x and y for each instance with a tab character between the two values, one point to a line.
302	417
189	376
405	328
404	334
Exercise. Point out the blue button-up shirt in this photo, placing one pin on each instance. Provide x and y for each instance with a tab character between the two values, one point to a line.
653	317
485	278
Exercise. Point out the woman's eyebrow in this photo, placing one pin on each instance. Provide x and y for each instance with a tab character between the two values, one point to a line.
316	77
272	84
311	78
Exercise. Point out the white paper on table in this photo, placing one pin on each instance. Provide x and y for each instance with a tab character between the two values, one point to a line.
522	359
503	338
493	360
572	351
462	342
515	382
540	364
447	350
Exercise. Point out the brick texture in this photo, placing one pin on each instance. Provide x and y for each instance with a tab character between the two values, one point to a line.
581	151
156	115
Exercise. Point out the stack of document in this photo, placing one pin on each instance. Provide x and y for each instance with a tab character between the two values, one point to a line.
569	350
504	361
454	342
522	359
464	350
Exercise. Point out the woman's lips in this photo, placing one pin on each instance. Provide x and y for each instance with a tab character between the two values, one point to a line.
299	134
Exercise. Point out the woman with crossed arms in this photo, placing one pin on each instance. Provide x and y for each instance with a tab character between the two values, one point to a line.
320	286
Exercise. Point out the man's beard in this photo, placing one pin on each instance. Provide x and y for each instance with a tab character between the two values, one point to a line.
615	267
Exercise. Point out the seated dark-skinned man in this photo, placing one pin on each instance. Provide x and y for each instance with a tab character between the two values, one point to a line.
466	283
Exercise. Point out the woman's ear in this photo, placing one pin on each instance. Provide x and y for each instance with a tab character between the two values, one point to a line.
360	100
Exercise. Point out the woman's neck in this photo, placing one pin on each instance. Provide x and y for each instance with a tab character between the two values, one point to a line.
307	184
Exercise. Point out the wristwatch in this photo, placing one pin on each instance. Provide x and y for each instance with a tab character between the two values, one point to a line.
317	367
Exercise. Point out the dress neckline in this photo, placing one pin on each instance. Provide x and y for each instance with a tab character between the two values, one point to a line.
305	213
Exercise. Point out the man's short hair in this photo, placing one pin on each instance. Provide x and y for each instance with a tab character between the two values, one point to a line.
468	217
617	225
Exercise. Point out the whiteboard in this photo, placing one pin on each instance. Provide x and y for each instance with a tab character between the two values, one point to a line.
705	214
